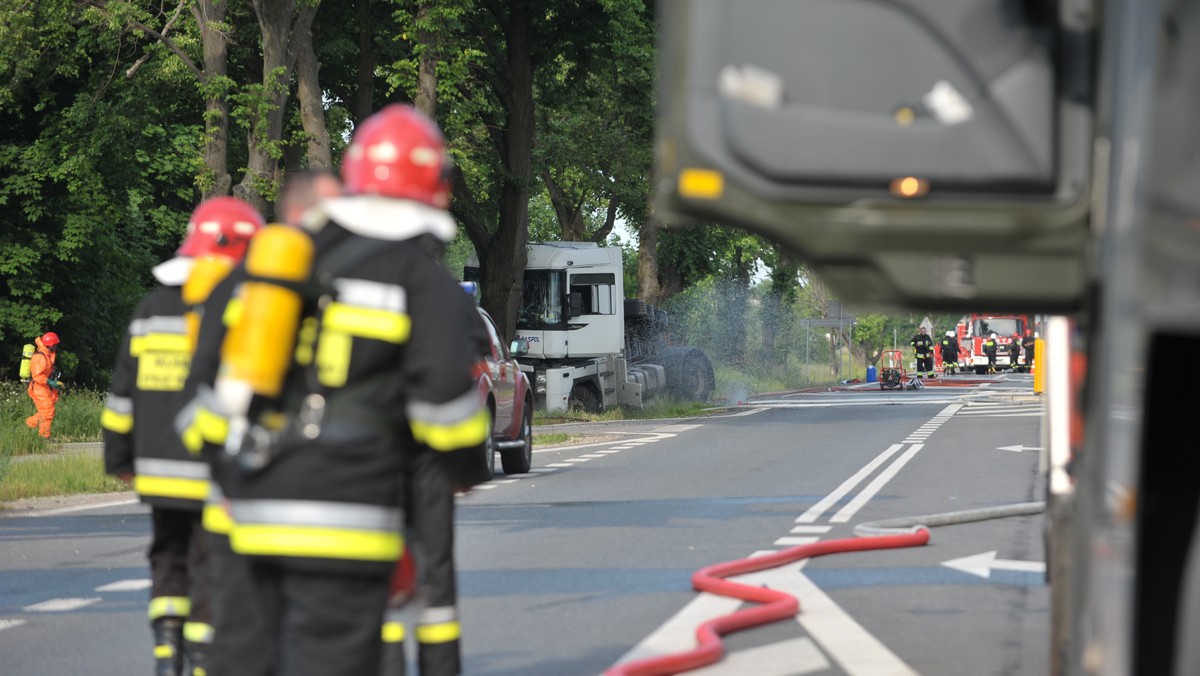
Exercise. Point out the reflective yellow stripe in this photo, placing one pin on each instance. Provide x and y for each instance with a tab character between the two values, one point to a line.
170	487
443	632
213	428
333	358
169	606
329	543
192	440
216	519
470	432
164	652
392	327
233	312
137	345
305	340
167	342
198	632
393	632
121	423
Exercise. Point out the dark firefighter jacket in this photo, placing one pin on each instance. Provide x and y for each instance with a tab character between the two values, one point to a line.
949	349
382	367
146	394
922	345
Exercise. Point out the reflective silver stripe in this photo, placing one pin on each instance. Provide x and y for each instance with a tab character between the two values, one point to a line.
395	615
439	615
366	293
158	324
122	405
453	411
215	495
317	514
178	469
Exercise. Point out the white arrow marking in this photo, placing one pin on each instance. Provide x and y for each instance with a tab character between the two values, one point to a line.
983	565
1018	448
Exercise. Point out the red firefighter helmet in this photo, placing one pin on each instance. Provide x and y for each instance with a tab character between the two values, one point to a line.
1028	332
221	226
50	339
398	152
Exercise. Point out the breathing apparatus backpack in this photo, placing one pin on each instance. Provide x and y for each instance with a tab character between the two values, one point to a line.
27	351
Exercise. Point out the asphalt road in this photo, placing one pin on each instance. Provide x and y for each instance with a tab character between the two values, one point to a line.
586	562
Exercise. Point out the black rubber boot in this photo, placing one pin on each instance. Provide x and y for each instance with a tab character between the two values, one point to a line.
197	658
168	646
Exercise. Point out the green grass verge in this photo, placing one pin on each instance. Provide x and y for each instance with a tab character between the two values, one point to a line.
76	418
68	474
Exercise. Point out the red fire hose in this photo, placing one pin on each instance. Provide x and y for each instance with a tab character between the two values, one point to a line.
776	604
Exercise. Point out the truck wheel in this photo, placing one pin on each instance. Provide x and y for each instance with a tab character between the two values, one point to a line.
519	460
636	308
584	398
696	384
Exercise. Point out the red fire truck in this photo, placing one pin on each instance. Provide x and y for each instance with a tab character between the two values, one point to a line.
974	329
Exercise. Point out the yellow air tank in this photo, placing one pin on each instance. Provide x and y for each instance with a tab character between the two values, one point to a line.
258	350
206	273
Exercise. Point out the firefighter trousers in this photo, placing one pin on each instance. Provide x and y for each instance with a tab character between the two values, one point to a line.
238	623
314	624
177	566
429	510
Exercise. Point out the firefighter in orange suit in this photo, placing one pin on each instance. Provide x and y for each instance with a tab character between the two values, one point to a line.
377	373
43	383
142	448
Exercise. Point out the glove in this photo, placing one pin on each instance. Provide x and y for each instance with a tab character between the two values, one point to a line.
53	383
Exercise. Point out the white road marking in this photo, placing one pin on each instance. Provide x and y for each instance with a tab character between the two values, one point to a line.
484	487
560	464
858	652
60	605
125	585
844	514
593	455
811	529
542	470
789	541
9	624
787	658
818	509
675	428
576	460
80	508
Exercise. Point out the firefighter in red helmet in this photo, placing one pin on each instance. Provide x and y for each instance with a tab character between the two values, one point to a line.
43	383
142	448
381	366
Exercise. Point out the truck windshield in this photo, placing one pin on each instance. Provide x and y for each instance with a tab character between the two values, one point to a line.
1002	326
542	300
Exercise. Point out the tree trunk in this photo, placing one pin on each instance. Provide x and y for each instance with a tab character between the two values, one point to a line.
312	104
427	80
648	289
364	98
275	22
216	103
506	256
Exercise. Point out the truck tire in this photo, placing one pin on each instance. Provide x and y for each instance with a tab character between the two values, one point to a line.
584	397
519	460
636	308
689	373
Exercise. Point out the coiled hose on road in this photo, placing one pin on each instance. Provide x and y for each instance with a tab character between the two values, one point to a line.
777	605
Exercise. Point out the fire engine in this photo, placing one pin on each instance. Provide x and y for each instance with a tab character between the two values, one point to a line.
974	329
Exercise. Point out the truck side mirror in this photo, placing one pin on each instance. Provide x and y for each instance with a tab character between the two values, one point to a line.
518	348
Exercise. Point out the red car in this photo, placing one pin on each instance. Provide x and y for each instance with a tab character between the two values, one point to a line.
509	399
